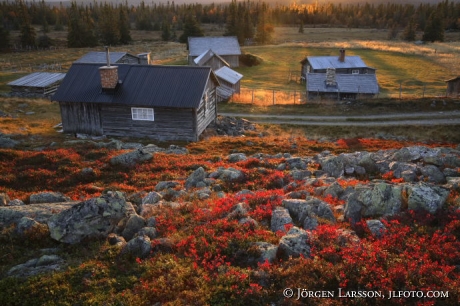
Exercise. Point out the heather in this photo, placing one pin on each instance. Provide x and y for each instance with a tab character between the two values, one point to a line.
203	254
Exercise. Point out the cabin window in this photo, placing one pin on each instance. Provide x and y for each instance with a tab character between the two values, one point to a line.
139	113
355	71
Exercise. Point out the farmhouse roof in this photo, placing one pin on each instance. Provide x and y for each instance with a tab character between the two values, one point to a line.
225	45
206	56
141	85
324	62
38	79
346	83
101	57
454	79
228	75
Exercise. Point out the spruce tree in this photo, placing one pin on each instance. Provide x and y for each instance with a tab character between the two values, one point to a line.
409	33
191	29
4	38
264	29
165	31
123	25
434	29
27	36
108	26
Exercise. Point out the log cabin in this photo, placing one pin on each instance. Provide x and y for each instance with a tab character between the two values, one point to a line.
164	103
226	47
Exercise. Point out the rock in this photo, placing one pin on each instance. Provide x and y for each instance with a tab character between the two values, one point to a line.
15	202
426	197
236	157
294	244
87	171
376	200
266	250
4	199
131	145
112	145
162	185
132	158
150	232
134	224
409	176
449	172
307	212
399	167
43	264
244	194
296	163
433	174
367	162
39	212
114	239
96	217
249	221
151	198
376	227
280	218
228	175
163	245
301	194
139	247
48	197
333	166
238	211
195	178
173	149
334	190
28	225
300	175
6	142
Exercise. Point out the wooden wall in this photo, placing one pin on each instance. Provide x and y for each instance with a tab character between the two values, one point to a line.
169	124
81	118
207	113
232	60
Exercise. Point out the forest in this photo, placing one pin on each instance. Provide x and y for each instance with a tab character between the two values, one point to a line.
104	23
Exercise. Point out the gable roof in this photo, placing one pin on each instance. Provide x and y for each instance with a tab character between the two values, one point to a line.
225	45
228	75
206	56
141	85
324	62
38	79
346	83
100	57
453	79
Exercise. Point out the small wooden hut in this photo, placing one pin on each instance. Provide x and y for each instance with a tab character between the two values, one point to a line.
36	84
453	87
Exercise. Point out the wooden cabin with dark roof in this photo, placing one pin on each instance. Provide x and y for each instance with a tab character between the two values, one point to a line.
453	87
159	102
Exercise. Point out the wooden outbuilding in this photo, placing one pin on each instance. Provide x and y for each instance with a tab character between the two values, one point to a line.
453	87
36	84
159	102
211	59
97	57
229	80
226	47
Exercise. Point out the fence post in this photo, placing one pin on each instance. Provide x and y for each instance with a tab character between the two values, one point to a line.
295	92
424	87
253	96
273	97
400	90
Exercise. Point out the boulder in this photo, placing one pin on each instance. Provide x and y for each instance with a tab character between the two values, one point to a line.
399	167
306	212
134	224
294	244
15	202
39	212
113	144
266	251
4	199
238	211
150	232
334	190
376	227
296	163
114	239
426	197
139	247
132	158
162	185
94	218
432	174
280	218
375	200
228	175
236	157
333	165
28	225
48	197
43	264
151	198
195	178
6	142
300	175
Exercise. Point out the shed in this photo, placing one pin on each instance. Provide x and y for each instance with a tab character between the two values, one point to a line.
115	58
37	84
211	59
229	81
341	86
453	87
226	46
159	102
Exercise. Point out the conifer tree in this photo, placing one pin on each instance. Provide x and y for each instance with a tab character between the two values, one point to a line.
108	26
301	27
434	29
123	25
28	34
165	31
264	29
409	33
191	29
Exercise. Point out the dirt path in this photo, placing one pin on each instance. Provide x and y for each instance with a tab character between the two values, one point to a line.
407	119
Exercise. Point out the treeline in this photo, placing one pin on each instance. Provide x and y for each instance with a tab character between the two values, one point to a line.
104	23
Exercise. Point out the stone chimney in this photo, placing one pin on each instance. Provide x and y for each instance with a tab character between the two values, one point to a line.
342	55
109	74
330	77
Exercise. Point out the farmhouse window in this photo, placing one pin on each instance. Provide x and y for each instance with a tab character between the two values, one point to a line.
139	113
355	71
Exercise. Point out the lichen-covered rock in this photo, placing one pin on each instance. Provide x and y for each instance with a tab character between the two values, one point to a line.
96	217
267	251
306	212
139	247
333	165
426	197
162	185
238	211
148	231
376	200
432	174
28	225
43	264
48	197
236	157
296	163
334	190
280	218
299	175
152	198
132	158
294	244
228	175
